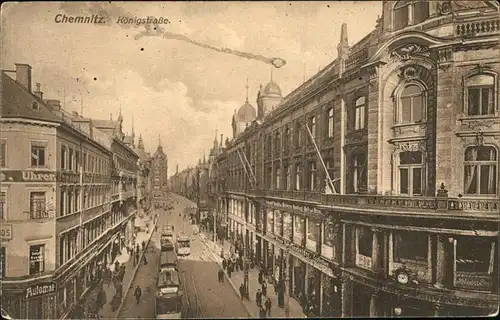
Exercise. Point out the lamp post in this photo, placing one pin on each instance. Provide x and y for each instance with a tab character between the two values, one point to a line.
287	279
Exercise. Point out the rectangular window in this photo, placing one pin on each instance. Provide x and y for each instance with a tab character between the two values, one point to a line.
365	241
70	159
330	123
2	263
298	177
410	245
357	174
480	101
37	205
63	157
37	259
62	203
312	176
2	205
3	145
37	155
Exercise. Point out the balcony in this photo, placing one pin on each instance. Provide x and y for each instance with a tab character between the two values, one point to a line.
473	28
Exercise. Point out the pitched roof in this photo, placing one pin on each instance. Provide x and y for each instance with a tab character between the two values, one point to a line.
18	102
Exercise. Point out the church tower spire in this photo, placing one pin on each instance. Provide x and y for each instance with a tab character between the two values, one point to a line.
245	100
159	141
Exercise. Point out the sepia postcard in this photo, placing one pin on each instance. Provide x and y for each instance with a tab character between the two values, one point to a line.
249	159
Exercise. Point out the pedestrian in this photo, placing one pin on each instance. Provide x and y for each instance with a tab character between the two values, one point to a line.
268	306
260	276
229	271
137	248
258	298
262	313
242	291
143	245
264	288
137	257
221	275
137	293
224	263
144	260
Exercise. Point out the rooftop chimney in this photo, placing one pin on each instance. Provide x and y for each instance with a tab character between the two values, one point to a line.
55	104
38	92
23	75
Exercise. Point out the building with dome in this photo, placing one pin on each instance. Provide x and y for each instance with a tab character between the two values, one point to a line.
395	214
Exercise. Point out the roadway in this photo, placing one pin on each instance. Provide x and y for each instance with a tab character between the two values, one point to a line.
206	296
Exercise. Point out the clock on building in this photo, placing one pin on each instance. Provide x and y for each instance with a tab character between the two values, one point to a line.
402	276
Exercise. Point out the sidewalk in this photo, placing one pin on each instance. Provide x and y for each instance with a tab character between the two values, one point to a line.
253	284
107	312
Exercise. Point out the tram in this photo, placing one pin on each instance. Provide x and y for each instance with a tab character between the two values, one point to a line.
183	245
168	300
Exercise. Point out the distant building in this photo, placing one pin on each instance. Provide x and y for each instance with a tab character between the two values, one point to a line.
159	175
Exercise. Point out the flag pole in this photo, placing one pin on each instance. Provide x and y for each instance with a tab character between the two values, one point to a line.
321	158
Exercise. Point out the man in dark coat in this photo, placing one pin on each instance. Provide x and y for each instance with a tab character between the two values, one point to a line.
137	294
268	306
242	291
221	275
258	298
224	263
260	276
264	288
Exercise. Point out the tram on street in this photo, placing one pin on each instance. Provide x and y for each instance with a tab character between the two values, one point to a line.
167	232
168	261
166	244
168	300
183	245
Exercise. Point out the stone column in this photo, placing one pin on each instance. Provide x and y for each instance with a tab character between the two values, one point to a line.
319	240
444	261
378	251
348	247
375	306
346	295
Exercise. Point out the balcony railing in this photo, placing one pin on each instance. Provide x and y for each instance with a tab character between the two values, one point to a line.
472	28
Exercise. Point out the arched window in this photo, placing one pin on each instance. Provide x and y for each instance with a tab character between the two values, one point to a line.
312	175
411	173
411	104
298	176
358	121
480	95
480	170
330	123
278	178
286	138
401	14
409	12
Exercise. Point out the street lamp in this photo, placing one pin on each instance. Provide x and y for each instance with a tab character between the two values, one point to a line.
286	291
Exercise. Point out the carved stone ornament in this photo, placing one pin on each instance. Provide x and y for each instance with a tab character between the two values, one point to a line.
411	146
409	73
406	52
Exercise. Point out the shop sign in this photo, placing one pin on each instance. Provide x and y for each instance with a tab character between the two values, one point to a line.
40	289
286	205
6	231
38	176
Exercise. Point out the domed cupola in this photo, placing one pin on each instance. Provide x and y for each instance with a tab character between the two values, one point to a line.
268	98
245	116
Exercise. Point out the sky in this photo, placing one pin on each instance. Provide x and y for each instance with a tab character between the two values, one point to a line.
173	89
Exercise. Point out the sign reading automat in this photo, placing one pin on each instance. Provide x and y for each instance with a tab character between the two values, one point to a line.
40	289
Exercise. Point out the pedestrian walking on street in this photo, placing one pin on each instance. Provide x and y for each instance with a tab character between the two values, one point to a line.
260	276
242	291
264	288
221	275
143	245
262	313
258	298
224	263
229	270
137	248
137	293
268	306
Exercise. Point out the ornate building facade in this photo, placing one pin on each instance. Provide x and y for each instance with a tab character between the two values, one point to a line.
399	214
58	194
159	176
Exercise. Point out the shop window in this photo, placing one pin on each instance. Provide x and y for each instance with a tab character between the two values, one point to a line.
475	254
37	205
480	94
299	230
365	241
329	240
312	234
37	259
3	146
38	154
480	170
287	226
410	245
357	174
411	173
410	104
329	123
